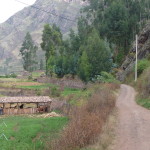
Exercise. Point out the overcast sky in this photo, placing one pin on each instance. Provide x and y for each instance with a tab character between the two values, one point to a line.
10	7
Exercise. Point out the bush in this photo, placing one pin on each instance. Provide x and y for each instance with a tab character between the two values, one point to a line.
12	75
144	102
38	92
143	84
106	77
55	92
142	65
87	121
30	77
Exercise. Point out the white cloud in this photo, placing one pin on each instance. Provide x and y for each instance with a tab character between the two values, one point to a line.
10	7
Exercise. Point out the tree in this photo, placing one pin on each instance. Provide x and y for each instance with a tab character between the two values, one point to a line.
99	54
84	67
51	41
116	20
41	65
28	53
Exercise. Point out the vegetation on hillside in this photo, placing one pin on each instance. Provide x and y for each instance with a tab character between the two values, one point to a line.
105	32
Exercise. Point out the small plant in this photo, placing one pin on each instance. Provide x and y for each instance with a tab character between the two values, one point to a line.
12	75
30	77
142	65
38	92
106	77
55	92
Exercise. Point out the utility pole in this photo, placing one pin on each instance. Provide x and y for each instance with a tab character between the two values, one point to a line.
136	59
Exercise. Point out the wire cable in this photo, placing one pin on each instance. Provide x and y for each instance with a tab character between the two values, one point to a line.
50	13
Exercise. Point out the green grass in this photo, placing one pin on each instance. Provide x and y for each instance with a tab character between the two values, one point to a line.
68	91
37	74
30	133
76	96
1	95
12	80
37	87
144	102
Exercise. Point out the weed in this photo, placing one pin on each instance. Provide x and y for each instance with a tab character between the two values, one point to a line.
144	102
87	121
142	65
55	92
143	86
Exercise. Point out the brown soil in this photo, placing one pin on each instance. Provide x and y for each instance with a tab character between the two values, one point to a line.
133	130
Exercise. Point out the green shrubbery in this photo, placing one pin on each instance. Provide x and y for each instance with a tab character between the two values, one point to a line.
143	86
142	65
55	92
12	75
144	102
106	77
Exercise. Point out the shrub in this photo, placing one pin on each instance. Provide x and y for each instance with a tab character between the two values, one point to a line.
12	75
106	77
87	121
142	65
143	84
55	92
30	77
38	92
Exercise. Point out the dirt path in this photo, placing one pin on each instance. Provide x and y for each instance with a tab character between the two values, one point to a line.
133	132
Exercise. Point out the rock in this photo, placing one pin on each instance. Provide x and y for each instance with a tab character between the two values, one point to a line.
143	52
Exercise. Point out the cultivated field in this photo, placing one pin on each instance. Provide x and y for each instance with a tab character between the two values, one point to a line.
26	133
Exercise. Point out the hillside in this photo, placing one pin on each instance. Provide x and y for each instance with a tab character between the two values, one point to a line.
143	52
31	19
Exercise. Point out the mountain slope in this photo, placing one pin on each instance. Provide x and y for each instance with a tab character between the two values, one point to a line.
31	19
143	52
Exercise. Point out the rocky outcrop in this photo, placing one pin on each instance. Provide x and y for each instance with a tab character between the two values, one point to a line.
32	19
143	52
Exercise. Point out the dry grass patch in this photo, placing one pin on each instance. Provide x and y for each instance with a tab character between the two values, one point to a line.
107	137
87	121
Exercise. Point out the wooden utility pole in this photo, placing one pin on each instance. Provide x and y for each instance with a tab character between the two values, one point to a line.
136	59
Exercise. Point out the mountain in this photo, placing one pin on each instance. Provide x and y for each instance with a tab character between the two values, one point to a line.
63	13
143	52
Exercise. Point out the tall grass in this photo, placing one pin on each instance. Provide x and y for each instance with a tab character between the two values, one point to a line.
87	121
143	86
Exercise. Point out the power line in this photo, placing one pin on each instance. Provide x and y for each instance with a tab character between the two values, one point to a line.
50	13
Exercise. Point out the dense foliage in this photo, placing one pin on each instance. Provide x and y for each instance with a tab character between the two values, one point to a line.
76	55
105	32
118	21
28	53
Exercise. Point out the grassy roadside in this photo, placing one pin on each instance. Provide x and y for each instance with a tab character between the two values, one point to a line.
107	137
88	120
142	85
144	102
143	88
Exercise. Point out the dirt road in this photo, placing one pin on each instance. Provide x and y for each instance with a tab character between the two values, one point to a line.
133	132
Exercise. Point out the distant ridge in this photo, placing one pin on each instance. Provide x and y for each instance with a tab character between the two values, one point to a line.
32	20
